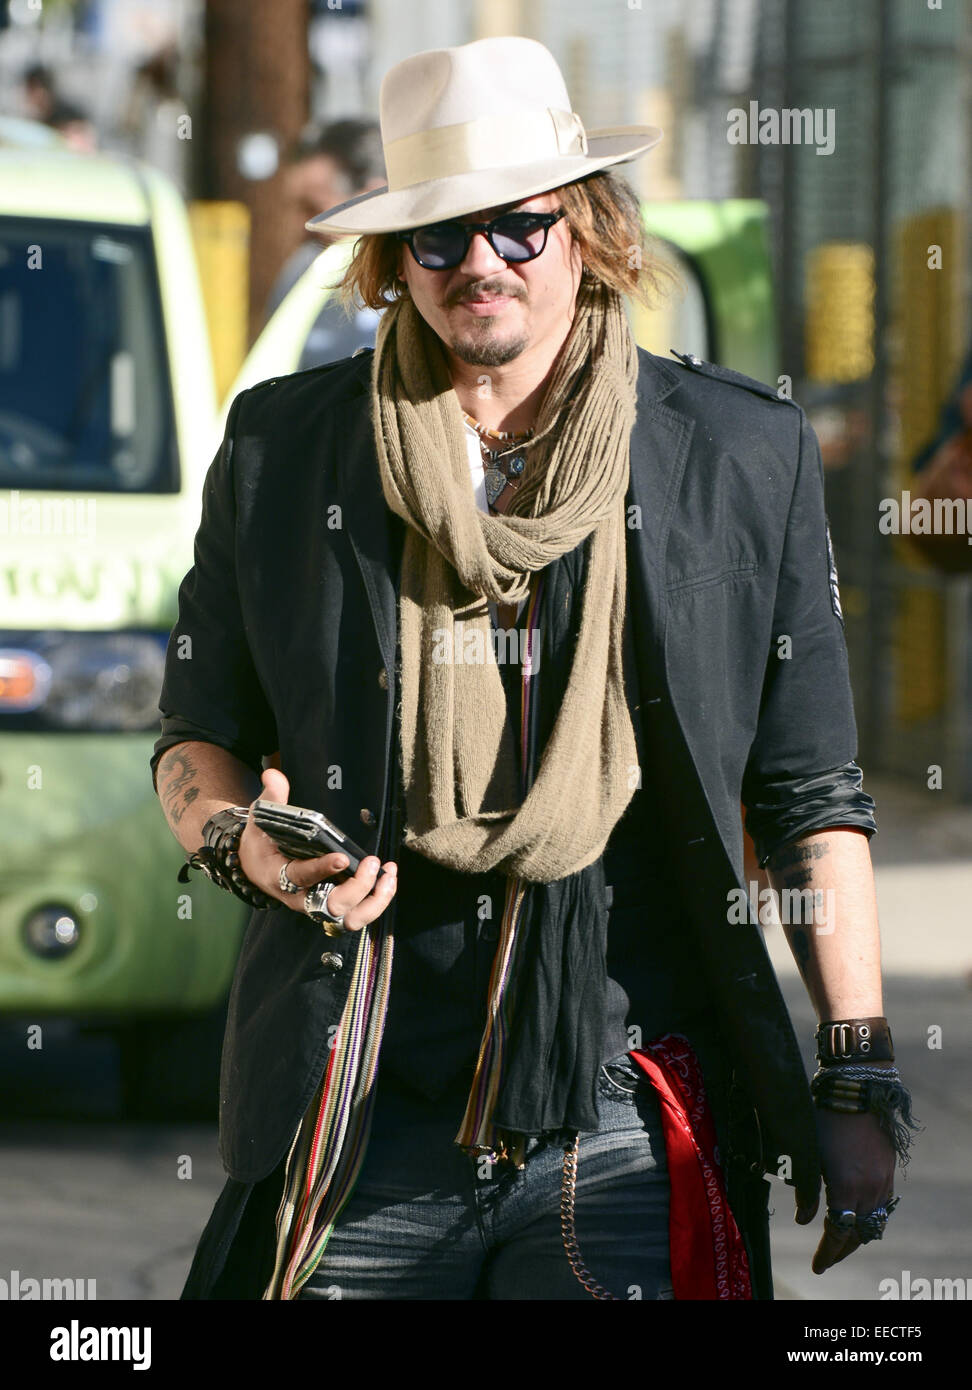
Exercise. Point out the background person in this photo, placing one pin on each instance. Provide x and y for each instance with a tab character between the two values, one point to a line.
327	166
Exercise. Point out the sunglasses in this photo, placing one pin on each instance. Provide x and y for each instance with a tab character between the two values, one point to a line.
514	236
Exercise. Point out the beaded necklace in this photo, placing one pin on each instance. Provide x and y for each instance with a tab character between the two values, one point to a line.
501	474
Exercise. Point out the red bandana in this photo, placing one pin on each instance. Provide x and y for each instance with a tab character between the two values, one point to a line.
707	1253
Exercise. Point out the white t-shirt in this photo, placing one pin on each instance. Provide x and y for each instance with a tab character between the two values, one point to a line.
478	470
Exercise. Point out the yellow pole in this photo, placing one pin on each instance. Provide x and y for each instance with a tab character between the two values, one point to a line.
221	235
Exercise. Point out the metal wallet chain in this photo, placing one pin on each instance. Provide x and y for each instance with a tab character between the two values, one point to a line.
567	1193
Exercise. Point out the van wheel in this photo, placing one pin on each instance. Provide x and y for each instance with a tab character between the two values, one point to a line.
169	1067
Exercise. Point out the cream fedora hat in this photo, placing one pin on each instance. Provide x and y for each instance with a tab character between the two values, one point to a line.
473	127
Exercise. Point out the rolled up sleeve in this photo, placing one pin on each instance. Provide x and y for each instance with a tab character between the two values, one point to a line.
801	774
211	691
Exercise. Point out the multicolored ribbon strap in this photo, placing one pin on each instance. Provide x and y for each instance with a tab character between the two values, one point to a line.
328	1149
708	1257
329	1146
477	1134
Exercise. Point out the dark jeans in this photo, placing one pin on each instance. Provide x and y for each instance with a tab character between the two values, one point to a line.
426	1221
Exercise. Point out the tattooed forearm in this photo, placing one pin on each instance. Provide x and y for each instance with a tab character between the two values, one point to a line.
828	913
194	780
800	855
176	782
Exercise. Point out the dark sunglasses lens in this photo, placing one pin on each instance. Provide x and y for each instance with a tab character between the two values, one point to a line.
518	237
440	245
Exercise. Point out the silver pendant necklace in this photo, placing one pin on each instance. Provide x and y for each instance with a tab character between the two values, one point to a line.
500	472
497	477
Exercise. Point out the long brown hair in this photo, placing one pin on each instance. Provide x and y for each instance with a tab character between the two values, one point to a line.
604	217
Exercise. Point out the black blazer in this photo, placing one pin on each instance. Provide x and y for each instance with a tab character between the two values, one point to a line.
291	609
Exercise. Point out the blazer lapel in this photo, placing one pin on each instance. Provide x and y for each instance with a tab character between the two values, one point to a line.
375	532
660	443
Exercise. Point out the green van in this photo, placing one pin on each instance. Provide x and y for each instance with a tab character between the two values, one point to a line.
107	425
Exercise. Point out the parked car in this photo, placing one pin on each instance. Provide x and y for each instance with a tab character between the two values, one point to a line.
107	425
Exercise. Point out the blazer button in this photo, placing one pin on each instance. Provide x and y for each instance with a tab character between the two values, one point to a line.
383	678
332	962
368	816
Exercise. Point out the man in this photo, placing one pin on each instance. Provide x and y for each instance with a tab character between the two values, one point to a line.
504	1075
327	166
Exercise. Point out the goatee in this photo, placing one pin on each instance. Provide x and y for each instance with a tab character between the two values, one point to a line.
493	352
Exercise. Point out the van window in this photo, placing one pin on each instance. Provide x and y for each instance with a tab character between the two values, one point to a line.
680	318
85	397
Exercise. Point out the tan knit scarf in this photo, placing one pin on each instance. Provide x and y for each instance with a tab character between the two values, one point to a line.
464	807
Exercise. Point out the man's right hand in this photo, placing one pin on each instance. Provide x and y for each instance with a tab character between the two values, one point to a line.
359	898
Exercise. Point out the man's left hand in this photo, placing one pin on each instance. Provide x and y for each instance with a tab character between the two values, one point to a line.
858	1170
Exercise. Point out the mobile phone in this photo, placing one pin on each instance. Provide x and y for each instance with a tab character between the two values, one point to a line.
304	834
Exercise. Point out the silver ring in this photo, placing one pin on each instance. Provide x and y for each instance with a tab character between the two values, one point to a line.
315	906
871	1227
844	1220
287	884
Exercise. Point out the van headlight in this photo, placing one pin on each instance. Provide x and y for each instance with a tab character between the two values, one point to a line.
95	681
52	931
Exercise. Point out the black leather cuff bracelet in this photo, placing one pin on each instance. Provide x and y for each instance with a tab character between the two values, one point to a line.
218	857
854	1040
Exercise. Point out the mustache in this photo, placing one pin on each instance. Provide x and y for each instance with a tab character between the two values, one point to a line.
478	287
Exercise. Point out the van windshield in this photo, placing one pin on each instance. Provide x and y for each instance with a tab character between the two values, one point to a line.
85	396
